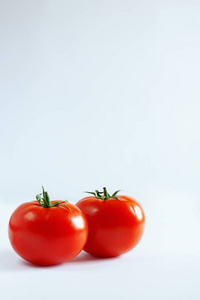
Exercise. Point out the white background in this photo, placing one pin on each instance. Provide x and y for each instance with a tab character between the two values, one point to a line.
103	93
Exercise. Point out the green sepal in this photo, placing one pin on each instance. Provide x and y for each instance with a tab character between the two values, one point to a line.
115	193
67	206
39	198
92	193
104	195
46	202
56	203
98	194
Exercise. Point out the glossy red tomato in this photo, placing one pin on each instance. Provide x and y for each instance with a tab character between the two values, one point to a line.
47	233
116	223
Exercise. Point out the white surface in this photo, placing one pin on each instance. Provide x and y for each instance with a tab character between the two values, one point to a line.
165	265
103	93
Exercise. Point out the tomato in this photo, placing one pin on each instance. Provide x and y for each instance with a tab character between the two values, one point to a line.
47	233
116	223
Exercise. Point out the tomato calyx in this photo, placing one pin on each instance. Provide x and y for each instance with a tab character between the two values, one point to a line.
44	200
104	195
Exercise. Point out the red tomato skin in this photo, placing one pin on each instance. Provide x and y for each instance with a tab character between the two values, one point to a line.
47	236
115	226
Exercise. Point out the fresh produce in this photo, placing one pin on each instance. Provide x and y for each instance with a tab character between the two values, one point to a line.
46	232
116	223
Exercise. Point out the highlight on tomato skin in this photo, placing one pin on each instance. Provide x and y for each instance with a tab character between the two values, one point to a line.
45	232
116	223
